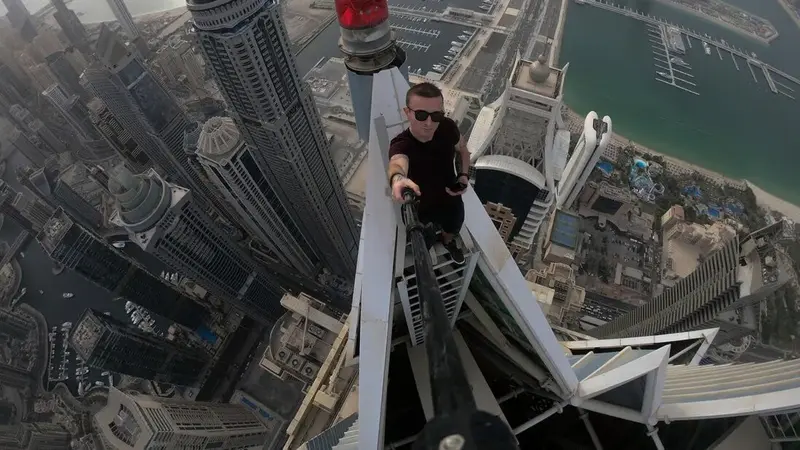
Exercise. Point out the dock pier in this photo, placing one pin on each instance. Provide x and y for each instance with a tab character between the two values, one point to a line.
733	57
625	11
663	56
770	81
719	53
752	72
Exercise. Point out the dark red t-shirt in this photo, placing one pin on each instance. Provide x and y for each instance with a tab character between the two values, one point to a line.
430	164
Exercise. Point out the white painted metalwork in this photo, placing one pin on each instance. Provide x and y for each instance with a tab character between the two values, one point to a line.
453	280
376	277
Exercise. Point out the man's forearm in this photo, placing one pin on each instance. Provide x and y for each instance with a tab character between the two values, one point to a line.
464	162
398	165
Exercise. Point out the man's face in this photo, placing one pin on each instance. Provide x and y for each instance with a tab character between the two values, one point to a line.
422	106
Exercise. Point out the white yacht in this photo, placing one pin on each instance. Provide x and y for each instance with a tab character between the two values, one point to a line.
665	75
68	295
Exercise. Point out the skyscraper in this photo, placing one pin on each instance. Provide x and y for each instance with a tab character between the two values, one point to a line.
519	150
25	145
724	291
34	210
124	17
275	113
163	219
66	75
593	141
75	248
146	109
231	166
109	344
72	26
133	422
7	197
20	19
12	88
117	136
73	111
35	435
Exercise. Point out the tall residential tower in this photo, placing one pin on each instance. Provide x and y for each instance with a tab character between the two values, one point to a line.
247	48
120	10
144	107
231	165
133	422
109	344
77	249
519	149
164	220
724	291
593	141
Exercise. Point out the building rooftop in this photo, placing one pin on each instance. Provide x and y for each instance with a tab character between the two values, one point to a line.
538	77
218	137
86	334
566	229
54	230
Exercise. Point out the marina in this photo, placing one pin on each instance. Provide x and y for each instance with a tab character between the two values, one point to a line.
720	45
667	44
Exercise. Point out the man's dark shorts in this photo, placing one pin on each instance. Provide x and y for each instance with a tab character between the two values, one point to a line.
449	216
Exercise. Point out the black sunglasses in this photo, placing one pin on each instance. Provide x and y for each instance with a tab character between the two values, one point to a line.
422	116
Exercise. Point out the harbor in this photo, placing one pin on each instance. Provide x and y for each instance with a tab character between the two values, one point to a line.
668	49
668	33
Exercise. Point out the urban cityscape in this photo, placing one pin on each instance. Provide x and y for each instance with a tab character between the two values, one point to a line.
199	247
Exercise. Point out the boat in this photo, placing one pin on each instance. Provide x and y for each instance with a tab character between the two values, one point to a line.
706	48
457	44
678	61
68	295
448	58
463	38
118	244
66	325
665	75
580	2
41	291
23	291
438	68
452	51
484	7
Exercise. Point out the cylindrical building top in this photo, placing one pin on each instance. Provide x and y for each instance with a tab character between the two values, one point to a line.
361	14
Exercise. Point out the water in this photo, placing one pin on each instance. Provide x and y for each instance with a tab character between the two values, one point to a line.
736	127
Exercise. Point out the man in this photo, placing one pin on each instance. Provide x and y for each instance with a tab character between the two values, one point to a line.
422	158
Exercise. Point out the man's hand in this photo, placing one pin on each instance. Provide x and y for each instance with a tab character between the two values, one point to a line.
463	180
400	183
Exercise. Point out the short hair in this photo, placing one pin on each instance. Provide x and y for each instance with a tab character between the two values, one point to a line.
425	90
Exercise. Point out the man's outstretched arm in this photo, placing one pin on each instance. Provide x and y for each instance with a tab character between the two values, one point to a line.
463	152
398	176
398	167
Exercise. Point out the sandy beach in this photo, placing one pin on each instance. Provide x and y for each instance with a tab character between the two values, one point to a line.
765	199
771	202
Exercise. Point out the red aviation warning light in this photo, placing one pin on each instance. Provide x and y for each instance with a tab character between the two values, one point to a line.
361	14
